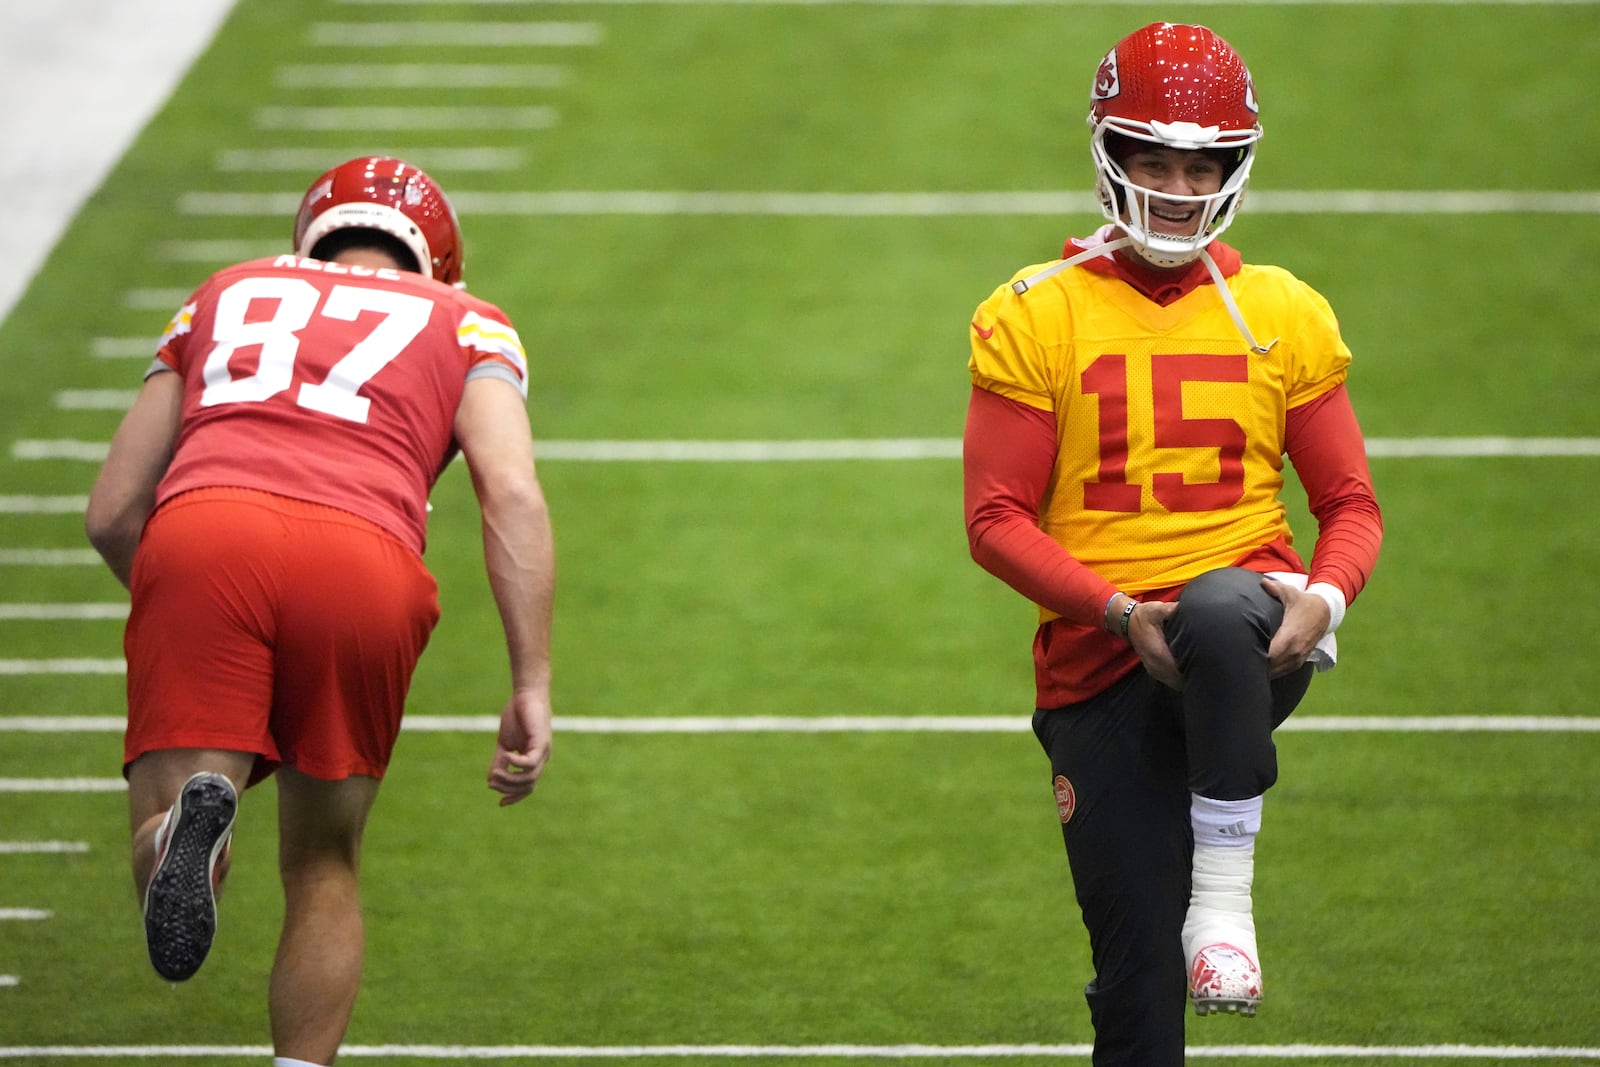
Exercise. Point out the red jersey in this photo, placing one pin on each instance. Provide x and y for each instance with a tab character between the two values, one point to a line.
329	383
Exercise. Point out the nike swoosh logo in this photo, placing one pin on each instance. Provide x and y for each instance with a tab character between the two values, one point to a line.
985	334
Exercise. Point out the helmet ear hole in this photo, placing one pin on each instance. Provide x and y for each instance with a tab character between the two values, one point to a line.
1119	147
339	241
1228	158
1112	199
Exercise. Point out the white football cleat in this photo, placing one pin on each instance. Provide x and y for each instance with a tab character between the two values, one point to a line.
1219	933
1224	978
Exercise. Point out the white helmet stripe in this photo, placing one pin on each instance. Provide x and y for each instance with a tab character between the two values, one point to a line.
365	216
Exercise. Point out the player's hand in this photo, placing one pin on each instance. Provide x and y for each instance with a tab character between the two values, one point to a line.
1147	632
523	745
1305	620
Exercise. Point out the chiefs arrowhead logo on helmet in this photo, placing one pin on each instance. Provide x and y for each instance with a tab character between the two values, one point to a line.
1106	83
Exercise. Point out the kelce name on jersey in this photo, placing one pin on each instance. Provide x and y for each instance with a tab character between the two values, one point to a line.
387	273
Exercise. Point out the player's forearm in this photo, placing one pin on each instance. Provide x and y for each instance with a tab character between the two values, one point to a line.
114	522
124	492
1029	561
1009	452
117	545
1347	547
1328	451
519	555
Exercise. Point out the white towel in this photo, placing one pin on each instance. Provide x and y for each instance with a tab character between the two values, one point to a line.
1326	654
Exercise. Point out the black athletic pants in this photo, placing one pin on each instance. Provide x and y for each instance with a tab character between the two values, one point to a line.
1130	757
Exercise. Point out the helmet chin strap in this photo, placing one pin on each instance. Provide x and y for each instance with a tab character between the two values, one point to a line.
1165	260
1233	308
1022	285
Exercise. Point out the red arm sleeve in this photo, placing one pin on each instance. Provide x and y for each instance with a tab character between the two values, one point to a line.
1330	456
1007	454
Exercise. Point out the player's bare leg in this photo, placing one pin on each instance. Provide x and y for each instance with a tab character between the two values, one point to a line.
317	972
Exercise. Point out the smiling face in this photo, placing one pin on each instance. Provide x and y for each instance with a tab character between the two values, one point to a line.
1175	122
1165	177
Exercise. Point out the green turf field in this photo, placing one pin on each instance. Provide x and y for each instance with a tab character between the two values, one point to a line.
845	895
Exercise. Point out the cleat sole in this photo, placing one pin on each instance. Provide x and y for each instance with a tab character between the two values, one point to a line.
180	909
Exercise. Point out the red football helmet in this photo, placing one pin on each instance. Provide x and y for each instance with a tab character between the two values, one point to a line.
391	196
1186	88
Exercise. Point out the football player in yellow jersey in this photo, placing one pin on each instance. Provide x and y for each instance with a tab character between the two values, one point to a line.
1131	410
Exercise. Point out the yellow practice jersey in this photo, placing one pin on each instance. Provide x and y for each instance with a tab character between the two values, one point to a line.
1170	430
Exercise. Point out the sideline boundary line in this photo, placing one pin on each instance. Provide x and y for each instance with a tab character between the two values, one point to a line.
1364	1053
861	724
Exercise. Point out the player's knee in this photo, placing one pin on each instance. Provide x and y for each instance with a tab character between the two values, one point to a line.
1225	591
1225	609
1247	774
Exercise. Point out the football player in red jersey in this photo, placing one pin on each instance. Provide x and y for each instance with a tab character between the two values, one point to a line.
1132	405
265	502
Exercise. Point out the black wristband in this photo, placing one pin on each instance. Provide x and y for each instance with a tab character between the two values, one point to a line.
1127	616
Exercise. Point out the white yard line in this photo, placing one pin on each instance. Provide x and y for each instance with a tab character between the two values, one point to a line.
311	161
420	76
1480	447
62	785
50	557
218	252
95	399
825	724
363	119
83	451
883	449
164	300
924	204
26	848
431	34
53	612
128	347
43	505
1360	1053
62	666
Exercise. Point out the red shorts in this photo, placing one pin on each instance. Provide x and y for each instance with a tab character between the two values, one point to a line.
270	625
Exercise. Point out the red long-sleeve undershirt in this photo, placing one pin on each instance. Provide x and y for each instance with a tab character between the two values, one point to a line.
1009	452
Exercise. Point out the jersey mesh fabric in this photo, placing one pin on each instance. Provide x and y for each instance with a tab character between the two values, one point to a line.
340	384
1171	432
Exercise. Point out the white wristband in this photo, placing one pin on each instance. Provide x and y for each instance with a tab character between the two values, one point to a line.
1333	596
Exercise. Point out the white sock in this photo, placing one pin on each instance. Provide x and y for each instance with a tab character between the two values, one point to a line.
285	1061
1225	823
1220	908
